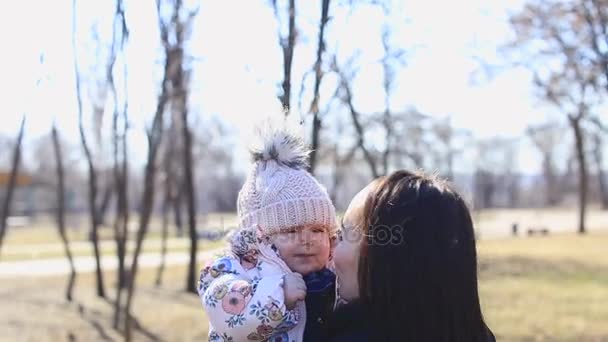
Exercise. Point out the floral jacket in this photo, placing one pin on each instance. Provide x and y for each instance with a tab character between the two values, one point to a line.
242	293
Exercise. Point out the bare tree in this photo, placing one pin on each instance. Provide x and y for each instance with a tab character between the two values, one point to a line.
165	224
61	211
596	17
6	206
346	95
120	153
173	77
553	34
392	58
287	45
314	106
546	138
448	137
91	167
173	35
496	182
154	140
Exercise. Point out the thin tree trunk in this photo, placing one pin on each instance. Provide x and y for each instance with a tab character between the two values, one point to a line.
288	47
582	168
601	175
179	84
165	233
61	213
121	168
387	122
105	203
369	158
177	201
450	157
154	139
121	220
167	201
314	106
190	199
6	206
92	172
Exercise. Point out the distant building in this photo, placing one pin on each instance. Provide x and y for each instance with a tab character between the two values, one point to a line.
32	196
23	195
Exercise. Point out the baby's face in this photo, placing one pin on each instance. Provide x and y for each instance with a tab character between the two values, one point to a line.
304	249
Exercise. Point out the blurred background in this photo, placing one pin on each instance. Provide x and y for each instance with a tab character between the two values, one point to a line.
125	127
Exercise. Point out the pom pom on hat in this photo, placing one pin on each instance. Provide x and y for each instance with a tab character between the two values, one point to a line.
280	144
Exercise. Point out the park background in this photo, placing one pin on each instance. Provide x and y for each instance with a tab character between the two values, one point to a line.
125	126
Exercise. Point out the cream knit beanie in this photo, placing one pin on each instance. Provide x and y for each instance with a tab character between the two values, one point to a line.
279	192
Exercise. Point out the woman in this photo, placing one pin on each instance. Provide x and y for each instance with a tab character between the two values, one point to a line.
407	266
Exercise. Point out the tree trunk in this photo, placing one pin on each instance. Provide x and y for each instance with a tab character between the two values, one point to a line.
601	175
177	201
6	206
154	139
165	232
170	197
120	150
575	123
105	203
369	158
92	173
122	207
387	122
314	106
288	47
61	213
190	198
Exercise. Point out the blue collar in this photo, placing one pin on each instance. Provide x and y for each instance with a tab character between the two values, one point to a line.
319	281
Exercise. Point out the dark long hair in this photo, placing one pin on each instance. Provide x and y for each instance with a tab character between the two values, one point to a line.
418	263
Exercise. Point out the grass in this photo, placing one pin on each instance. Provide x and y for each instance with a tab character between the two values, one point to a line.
546	288
37	311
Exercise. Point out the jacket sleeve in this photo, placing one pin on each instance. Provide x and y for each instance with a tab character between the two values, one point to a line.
241	307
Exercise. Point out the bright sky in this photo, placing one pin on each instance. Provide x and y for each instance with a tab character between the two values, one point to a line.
239	63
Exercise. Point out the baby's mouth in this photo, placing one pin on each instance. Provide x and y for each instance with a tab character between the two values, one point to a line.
304	255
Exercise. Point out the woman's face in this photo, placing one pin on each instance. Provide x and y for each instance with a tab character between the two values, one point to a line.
346	255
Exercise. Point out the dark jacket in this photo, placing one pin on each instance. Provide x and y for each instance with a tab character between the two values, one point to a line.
349	323
320	296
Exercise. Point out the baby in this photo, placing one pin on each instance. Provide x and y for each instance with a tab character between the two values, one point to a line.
275	283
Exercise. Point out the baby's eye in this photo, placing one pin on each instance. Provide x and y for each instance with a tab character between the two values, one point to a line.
339	235
318	230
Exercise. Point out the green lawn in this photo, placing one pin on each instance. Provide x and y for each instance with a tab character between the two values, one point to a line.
546	289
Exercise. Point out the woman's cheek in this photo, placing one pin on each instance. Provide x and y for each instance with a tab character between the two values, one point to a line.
340	257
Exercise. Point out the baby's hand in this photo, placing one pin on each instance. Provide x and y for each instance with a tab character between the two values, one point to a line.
295	289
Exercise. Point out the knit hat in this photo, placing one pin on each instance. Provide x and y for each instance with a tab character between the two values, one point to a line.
279	192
